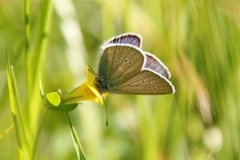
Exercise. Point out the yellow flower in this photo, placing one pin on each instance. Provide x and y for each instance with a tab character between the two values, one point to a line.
86	91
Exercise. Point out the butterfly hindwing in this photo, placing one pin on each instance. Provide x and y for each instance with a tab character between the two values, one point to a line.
155	64
145	83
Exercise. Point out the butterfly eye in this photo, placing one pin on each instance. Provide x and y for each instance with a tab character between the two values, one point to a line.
116	61
130	62
120	60
125	60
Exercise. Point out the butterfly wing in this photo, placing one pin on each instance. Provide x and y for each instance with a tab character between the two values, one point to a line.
155	64
127	38
146	82
118	64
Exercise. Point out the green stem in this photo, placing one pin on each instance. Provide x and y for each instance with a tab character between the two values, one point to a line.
45	23
76	142
27	51
38	134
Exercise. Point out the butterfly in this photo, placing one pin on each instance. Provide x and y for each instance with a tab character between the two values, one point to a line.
125	68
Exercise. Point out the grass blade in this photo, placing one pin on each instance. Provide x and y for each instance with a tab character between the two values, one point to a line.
76	142
13	98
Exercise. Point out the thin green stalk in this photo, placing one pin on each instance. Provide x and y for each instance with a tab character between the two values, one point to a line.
27	38
76	142
44	28
38	134
28	58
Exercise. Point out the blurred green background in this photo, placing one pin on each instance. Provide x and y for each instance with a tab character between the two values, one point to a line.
199	41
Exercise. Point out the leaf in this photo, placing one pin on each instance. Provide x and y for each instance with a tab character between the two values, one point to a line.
53	102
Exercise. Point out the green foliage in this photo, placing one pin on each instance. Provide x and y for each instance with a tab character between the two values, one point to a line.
197	40
53	102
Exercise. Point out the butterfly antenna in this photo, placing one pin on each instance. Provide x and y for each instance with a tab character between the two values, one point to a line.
106	113
92	71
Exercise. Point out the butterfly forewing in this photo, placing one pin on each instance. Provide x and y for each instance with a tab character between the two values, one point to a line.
145	83
130	38
118	64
